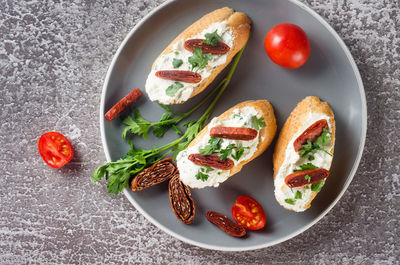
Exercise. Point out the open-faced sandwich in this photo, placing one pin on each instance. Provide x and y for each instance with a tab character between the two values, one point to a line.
227	143
193	60
303	154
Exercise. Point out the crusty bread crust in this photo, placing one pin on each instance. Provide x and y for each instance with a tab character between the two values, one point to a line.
267	132
237	21
294	123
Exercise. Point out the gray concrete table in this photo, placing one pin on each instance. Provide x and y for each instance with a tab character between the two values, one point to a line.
53	59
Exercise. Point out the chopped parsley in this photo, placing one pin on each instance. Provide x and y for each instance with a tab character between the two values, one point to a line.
316	187
239	152
172	89
201	176
297	195
214	144
226	152
198	59
207	169
311	147
311	157
305	167
176	53
212	38
307	177
177	62
290	201
258	123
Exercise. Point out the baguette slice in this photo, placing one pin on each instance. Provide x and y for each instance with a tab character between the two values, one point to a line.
239	24
266	133
297	123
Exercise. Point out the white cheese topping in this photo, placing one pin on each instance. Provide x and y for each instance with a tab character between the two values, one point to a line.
187	169
292	161
156	87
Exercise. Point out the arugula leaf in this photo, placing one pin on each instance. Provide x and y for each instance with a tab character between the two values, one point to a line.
307	177
172	89
324	138
177	62
198	59
297	195
214	144
316	187
212	38
239	152
201	176
258	123
305	167
290	201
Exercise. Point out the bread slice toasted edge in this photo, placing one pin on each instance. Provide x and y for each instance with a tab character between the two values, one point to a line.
237	21
294	123
268	132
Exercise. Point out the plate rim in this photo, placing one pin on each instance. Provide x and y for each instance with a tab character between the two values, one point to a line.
293	234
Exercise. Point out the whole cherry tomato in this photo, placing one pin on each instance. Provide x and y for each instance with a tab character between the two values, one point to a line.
248	213
55	149
287	45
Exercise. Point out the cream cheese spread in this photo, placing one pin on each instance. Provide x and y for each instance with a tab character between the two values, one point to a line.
156	87
292	161
242	117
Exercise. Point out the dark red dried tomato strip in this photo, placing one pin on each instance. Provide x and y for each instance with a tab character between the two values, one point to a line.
123	104
310	134
179	75
225	224
299	179
211	161
234	133
221	48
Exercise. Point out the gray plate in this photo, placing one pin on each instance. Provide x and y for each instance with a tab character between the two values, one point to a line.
330	73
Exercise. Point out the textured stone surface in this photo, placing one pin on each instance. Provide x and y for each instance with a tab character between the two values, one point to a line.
53	59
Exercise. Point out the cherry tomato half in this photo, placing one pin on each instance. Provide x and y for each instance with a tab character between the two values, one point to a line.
248	213
55	149
287	45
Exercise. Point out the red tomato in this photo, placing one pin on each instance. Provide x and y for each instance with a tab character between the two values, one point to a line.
55	149
248	213
287	45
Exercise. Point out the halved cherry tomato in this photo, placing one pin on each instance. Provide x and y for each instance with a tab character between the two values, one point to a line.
55	149
287	45
248	213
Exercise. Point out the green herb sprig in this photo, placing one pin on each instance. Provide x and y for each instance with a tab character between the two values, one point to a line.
198	59
305	167
212	38
311	147
118	173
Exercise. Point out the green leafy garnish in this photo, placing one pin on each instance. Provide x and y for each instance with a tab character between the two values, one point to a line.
297	195
176	52
212	38
239	152
290	201
305	167
118	173
316	187
214	144
258	123
208	169
201	176
177	62
172	89
307	177
323	140
198	59
224	153
311	157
